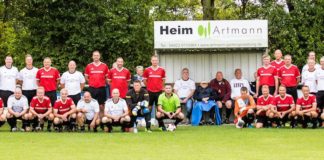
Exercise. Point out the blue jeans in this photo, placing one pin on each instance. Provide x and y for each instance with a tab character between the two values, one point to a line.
188	106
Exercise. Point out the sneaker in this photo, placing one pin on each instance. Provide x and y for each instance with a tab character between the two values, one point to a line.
38	129
227	121
250	126
314	125
82	129
21	130
162	129
148	130
135	130
95	130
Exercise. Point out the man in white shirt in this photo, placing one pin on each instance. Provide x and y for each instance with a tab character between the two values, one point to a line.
18	109
8	79
73	81
319	76
27	78
88	112
308	77
237	83
116	112
185	89
311	55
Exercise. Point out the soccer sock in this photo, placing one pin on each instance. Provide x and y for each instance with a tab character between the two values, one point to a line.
228	112
178	120
72	123
250	118
148	121
49	124
24	124
2	123
277	120
161	123
35	123
12	122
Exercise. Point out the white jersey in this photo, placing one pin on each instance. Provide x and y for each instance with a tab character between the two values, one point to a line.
17	105
28	76
92	108
72	82
319	75
308	78
237	84
305	67
116	109
184	87
8	77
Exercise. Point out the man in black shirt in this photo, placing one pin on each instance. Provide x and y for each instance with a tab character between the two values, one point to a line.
137	100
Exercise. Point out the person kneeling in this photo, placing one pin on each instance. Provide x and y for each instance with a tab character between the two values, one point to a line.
244	109
306	108
88	112
2	114
264	103
18	109
64	112
116	113
169	108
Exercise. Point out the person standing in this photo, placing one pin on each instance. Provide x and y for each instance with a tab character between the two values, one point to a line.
119	78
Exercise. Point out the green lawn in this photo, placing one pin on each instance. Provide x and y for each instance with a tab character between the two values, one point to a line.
201	143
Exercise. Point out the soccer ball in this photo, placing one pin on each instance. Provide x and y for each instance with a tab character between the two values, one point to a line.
171	127
240	123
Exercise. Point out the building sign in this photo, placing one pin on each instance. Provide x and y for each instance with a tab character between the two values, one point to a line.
211	34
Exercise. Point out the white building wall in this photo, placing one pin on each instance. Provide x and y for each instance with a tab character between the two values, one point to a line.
203	66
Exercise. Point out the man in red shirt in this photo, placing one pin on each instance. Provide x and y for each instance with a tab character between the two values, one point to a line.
264	103
48	77
41	110
284	107
266	75
306	108
223	89
154	78
2	115
119	78
289	76
64	112
96	74
278	62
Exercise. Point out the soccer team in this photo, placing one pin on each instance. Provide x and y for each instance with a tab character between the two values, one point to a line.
30	95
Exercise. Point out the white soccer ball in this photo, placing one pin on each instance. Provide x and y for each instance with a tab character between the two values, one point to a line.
240	123
171	127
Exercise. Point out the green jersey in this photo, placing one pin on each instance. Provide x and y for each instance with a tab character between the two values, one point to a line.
169	104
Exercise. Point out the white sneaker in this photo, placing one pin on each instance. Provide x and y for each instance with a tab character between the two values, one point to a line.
21	130
135	130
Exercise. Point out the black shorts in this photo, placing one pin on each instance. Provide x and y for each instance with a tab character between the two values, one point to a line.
99	94
272	89
293	92
4	96
320	99
153	98
29	94
52	96
285	118
262	119
75	98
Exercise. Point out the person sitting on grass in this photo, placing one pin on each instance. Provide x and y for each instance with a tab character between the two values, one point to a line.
168	107
244	109
88	112
306	108
205	103
2	114
264	104
64	112
116	113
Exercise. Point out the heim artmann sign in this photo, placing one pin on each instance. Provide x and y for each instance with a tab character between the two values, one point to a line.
211	34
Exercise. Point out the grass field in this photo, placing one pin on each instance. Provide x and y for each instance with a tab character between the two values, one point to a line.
201	143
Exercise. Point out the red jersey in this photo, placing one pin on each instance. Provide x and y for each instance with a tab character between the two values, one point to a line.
97	74
288	76
63	107
306	103
48	78
119	79
40	107
1	103
154	79
262	101
267	75
277	65
283	104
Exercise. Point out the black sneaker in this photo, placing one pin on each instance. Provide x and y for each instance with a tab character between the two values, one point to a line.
314	125
82	129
